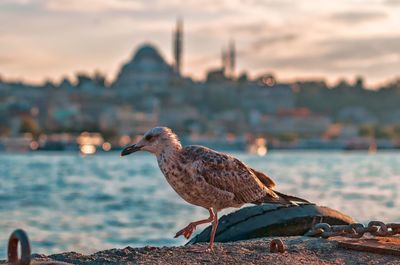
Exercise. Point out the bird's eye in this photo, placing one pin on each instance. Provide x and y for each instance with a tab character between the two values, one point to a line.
148	137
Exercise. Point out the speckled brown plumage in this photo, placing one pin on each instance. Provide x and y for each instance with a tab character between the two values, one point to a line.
207	178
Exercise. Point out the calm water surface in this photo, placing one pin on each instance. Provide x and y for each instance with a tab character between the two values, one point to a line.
71	203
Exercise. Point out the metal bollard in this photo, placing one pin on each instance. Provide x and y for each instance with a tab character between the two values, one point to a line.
276	246
20	236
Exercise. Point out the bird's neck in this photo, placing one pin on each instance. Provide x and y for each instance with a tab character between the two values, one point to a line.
170	152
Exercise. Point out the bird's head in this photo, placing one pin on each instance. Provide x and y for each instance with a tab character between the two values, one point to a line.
154	141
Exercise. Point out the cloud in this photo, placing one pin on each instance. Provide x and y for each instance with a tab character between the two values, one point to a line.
272	3
392	2
355	17
307	36
371	55
361	48
151	8
250	28
15	2
5	60
264	42
91	6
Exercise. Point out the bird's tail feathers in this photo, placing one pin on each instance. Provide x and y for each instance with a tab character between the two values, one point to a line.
290	198
281	198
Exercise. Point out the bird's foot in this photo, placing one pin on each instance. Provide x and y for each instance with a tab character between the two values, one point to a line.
209	249
187	231
201	249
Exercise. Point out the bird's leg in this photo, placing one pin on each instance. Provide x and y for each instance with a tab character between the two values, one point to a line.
213	231
210	247
188	230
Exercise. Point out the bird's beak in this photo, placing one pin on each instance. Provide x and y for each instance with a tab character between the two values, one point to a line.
131	149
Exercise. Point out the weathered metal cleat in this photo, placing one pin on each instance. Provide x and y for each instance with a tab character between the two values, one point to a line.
20	237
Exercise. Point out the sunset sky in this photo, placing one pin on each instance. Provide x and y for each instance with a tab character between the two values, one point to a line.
49	39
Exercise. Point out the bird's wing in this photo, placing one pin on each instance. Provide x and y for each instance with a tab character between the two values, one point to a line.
266	180
226	173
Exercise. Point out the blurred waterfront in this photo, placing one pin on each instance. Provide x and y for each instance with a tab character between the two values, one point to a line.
67	202
227	107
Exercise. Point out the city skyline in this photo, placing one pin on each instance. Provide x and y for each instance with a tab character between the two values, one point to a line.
53	39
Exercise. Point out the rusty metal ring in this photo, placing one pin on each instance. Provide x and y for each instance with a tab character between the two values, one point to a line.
341	228
20	236
357	230
326	227
314	232
394	229
393	225
382	231
276	246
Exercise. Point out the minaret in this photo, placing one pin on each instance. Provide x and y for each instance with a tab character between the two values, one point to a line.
224	61
178	45
232	59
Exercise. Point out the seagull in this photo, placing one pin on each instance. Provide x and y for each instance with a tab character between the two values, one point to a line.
207	178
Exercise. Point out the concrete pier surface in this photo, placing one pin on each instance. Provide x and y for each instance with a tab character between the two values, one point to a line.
299	250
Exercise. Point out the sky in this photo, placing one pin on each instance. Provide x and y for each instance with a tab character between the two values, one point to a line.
294	39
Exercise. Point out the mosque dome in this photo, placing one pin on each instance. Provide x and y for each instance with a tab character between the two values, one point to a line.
146	68
147	51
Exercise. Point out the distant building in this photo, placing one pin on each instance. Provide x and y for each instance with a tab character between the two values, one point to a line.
216	75
66	84
178	39
150	91
299	121
267	98
357	115
232	59
125	121
146	71
179	117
